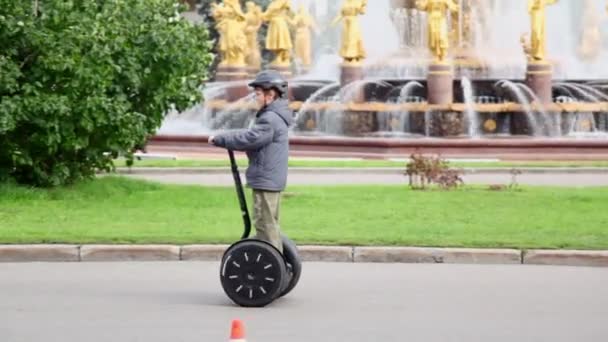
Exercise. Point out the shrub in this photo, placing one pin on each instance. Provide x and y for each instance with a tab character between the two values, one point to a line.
423	171
83	81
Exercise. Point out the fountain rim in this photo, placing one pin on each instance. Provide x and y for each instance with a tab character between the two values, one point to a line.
372	142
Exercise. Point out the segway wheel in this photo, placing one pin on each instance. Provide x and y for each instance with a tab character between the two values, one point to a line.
253	273
294	264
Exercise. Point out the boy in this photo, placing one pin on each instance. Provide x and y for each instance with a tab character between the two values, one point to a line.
267	148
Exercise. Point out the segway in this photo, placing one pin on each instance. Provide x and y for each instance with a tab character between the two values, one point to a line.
254	273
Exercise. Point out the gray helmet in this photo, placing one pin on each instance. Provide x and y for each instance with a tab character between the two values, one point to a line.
270	79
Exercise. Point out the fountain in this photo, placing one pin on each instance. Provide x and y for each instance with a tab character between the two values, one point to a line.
470	70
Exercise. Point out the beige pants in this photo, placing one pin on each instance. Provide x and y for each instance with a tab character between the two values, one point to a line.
266	217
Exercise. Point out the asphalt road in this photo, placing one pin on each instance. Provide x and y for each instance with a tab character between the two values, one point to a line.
183	301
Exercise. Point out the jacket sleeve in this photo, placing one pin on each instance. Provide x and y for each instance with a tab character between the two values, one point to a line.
259	135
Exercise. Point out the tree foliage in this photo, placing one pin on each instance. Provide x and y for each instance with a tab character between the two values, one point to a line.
83	81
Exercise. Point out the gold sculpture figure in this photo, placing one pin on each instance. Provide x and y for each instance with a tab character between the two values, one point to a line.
438	35
303	23
253	22
218	12
536	8
278	39
352	49
230	22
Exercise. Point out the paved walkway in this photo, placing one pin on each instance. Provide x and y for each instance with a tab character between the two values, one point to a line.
170	301
336	177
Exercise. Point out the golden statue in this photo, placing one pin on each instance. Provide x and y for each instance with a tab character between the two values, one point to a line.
278	39
303	22
253	22
437	25
536	8
230	25
591	37
352	50
218	12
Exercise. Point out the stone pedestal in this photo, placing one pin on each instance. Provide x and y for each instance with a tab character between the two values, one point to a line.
350	73
284	70
440	91
231	73
539	77
228	74
440	84
252	72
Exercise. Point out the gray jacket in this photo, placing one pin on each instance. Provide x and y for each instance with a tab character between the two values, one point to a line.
266	145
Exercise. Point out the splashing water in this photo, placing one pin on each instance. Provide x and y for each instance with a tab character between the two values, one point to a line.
549	124
398	122
427	123
236	115
196	120
579	122
522	99
320	94
586	92
471	115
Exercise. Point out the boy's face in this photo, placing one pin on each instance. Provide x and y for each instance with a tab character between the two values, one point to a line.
263	97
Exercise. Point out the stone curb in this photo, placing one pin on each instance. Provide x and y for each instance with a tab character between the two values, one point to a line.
203	252
370	170
129	253
74	253
539	170
30	253
566	258
326	253
437	255
307	253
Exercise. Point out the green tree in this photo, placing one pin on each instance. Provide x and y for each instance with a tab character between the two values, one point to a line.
83	81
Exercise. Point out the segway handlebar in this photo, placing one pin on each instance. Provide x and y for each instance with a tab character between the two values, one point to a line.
241	195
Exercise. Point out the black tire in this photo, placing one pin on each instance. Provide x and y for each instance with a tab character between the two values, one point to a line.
294	264
253	273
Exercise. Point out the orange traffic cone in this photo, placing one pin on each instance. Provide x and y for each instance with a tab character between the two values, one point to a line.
237	333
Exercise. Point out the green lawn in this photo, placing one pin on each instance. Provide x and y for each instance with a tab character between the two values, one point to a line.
357	163
119	210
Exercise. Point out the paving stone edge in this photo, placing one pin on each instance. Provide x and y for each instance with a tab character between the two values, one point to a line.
349	254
